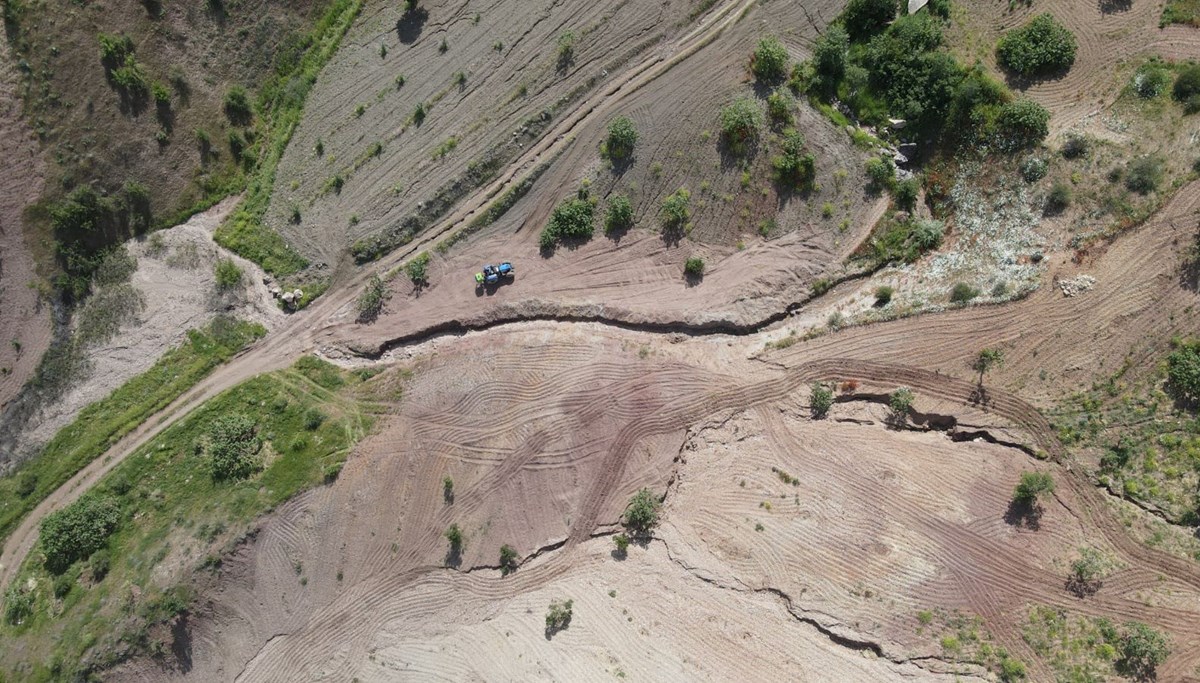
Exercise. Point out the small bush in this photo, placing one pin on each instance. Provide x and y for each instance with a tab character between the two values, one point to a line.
571	220
906	193
622	137
694	267
829	54
882	172
1144	174
370	302
779	107
642	512
566	50
1142	649
1042	46
770	61
237	106
1187	83
508	560
1059	198
228	274
864	18
18	605
963	293
622	543
620	215
1022	123
78	530
559	615
1032	487
1151	80
900	403
1183	371
740	121
313	419
883	295
675	211
456	538
417	269
232	447
448	489
793	166
821	399
1034	169
1075	146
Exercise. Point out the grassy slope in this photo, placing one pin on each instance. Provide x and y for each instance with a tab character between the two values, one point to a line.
175	515
103	423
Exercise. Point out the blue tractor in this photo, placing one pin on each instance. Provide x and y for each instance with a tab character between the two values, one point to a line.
492	275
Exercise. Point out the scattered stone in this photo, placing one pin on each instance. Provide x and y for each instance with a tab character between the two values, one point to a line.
897	124
287	297
1076	285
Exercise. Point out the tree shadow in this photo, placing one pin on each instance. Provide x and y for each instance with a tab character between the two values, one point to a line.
980	397
454	557
691	279
1018	81
673	234
733	154
565	60
216	8
181	643
1114	6
1023	514
552	630
1082	589
154	8
410	25
165	115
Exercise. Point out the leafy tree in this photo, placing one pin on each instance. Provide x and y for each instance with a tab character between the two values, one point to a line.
620	215
508	560
1183	371
232	447
1086	571
572	219
370	302
906	193
881	171
864	18
78	530
694	267
794	167
740	121
1042	46
820	398
559	616
1144	174
622	136
1022	123
1142	649
417	269
829	54
987	360
779	107
770	60
675	211
900	402
915	79
642	512
228	274
1032	487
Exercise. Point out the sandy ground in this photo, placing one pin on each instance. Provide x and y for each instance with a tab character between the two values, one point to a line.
25	321
179	293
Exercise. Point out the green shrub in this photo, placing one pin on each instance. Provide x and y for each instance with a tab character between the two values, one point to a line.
313	419
1012	670
370	302
794	167
18	605
881	171
508	559
900	403
740	121
675	211
99	564
115	50
1144	174
1075	146
1183	371
829	54
237	106
1022	123
1032	487
779	107
26	483
571	220
417	268
770	60
694	267
622	543
78	530
1034	169
1142	649
906	193
620	215
1151	80
963	293
820	399
1042	46
559	615
456	538
232	447
883	295
162	96
622	136
228	274
864	18
1059	198
642	512
1187	83
566	49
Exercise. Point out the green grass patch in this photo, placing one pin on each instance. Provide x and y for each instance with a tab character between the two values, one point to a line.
281	103
174	513
103	423
1181	12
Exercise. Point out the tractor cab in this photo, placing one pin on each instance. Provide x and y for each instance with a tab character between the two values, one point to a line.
492	275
